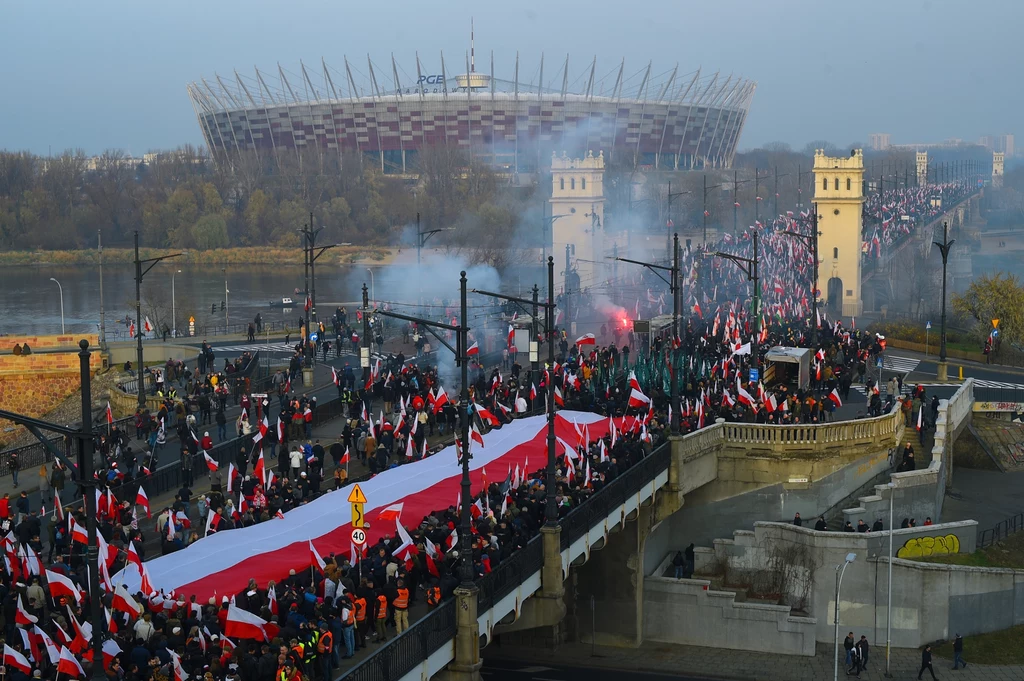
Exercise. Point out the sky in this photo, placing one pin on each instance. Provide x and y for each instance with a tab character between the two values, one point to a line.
112	73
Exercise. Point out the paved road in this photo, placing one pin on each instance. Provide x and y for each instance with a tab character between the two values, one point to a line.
507	670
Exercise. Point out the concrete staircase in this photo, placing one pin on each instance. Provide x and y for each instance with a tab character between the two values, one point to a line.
835	518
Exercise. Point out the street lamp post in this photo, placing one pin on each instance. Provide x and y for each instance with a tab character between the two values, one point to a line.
673	285
224	271
549	232
61	289
943	366
103	320
139	274
812	240
749	266
840	571
174	310
669	223
373	295
705	207
888	610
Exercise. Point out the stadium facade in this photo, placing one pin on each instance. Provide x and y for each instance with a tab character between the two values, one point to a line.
665	120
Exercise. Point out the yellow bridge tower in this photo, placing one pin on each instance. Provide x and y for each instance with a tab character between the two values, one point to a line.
839	195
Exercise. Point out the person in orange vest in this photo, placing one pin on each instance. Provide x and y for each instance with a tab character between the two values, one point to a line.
382	616
348	625
325	648
401	605
433	595
359	605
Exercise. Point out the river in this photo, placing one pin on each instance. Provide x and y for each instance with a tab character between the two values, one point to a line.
31	302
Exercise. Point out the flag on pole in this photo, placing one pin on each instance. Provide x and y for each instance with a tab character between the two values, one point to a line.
142	500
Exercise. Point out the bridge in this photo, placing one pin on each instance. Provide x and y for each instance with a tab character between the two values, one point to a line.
724	477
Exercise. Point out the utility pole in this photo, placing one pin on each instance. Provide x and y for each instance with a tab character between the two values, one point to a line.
568	278
364	348
749	266
306	359
103	324
87	482
943	366
534	349
139	274
735	202
674	346
550	508
757	197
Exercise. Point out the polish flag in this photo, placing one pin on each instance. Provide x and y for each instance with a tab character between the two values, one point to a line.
21	615
345	457
146	586
57	508
315	559
834	396
211	463
124	602
334	377
407	549
511	336
586	339
638	399
142	500
473	349
272	599
147	326
260	469
474	435
392	512
486	415
742	395
243	624
440	399
110	651
110	414
232	474
280	430
132	556
558	397
533	392
62	586
66	664
51	648
15	659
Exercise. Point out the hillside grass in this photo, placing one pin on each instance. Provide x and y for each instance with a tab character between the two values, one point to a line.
1008	553
263	255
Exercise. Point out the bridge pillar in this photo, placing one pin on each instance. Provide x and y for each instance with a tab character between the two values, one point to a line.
543	612
467	663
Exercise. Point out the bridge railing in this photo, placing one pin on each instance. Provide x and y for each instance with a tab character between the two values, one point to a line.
840	432
578	521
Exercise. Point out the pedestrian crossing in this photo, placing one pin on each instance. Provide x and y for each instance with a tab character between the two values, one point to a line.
909	385
901	365
274	348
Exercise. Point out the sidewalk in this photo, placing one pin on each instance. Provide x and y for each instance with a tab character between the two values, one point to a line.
720	663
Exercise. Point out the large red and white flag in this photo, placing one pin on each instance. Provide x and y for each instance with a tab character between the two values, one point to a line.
315	559
124	602
67	664
141	499
62	586
440	399
211	463
392	512
586	339
638	399
15	659
243	624
473	349
110	651
21	615
834	396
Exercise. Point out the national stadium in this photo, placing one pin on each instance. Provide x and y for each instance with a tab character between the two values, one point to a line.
661	119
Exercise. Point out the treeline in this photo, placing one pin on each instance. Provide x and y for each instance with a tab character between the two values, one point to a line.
183	199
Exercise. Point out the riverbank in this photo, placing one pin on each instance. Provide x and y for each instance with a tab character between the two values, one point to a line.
259	255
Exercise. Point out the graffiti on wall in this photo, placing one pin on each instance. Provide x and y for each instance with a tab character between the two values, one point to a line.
921	547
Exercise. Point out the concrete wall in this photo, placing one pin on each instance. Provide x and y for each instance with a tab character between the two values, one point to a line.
688	612
810	580
153	351
37	383
725	504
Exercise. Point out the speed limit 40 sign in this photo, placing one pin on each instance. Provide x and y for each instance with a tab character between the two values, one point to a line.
358	536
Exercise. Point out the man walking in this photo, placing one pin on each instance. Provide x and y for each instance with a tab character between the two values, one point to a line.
848	647
958	652
864	649
926	662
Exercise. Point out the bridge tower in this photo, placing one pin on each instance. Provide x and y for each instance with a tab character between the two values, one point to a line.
922	168
577	198
997	168
839	195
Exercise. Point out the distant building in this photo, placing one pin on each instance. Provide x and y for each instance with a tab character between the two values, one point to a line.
879	141
1000	143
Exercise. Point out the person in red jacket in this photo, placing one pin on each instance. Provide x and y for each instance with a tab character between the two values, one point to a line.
207	442
5	506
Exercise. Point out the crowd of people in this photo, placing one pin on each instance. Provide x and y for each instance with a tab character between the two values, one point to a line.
316	618
892	215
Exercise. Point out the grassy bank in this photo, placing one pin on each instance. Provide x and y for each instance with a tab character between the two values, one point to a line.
262	255
998	647
1008	553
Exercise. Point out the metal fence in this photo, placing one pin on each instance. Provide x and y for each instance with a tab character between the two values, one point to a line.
1006	394
203	330
404	653
1001	531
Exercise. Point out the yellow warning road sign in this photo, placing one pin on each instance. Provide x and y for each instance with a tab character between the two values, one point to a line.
356	496
357	516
